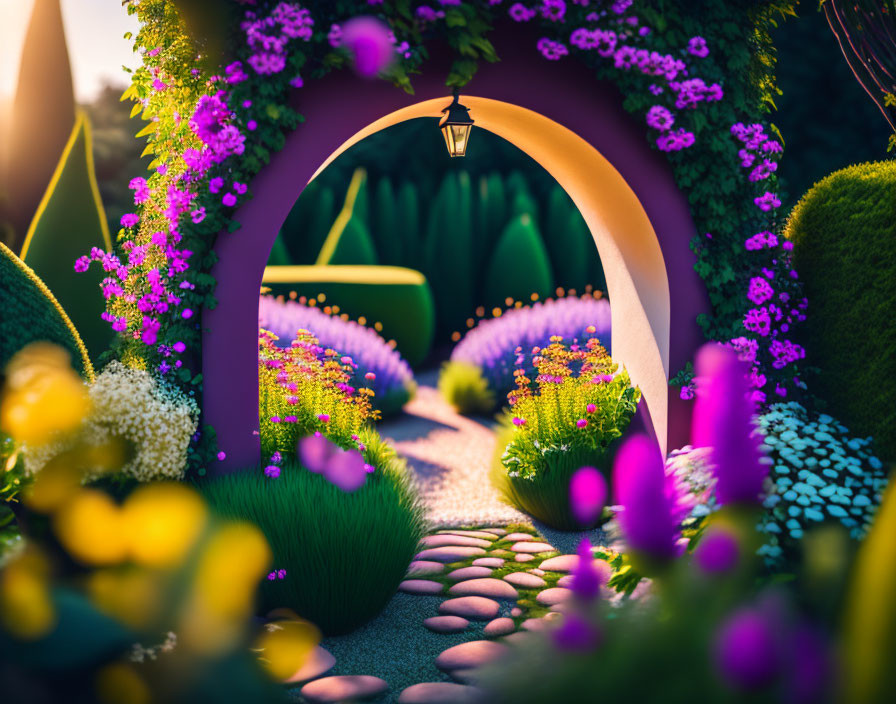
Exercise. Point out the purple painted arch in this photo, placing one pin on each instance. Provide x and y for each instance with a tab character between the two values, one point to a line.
341	106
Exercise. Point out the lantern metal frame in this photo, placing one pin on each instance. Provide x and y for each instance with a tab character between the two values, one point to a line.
456	122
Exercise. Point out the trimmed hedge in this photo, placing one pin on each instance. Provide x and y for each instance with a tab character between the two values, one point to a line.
349	241
844	236
400	299
31	313
519	265
69	222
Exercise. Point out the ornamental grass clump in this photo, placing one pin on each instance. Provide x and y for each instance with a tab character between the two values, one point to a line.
568	417
376	365
344	553
820	473
305	389
496	345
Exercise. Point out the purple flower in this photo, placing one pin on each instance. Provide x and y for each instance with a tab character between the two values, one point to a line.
587	495
717	552
697	47
370	43
747	650
347	470
129	219
659	118
760	290
550	49
575	635
767	201
553	10
639	483
586	579
272	471
722	421
520	13
675	140
229	199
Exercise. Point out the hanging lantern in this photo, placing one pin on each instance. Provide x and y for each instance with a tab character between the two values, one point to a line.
456	124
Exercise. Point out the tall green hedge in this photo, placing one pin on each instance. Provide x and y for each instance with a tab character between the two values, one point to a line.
407	224
844	236
32	314
69	222
519	265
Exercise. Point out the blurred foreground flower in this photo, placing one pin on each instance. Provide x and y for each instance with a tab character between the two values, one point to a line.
344	468
43	395
370	43
587	495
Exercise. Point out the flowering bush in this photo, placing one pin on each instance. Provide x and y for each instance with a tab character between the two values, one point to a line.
304	389
499	346
562	421
156	420
376	365
820	472
465	388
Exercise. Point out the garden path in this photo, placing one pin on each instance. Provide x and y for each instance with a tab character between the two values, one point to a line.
450	456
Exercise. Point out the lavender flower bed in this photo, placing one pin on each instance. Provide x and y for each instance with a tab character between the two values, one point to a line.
393	381
492	344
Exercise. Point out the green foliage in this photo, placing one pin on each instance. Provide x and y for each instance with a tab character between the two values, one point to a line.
31	313
407	225
569	242
464	387
400	300
70	221
519	265
308	223
844	236
344	553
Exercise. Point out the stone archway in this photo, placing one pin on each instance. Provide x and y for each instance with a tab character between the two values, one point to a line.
575	127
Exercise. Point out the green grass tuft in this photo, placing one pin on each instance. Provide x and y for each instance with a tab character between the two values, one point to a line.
344	554
464	387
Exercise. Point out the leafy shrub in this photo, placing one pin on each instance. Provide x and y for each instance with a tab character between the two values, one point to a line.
349	240
308	223
571	246
821	472
344	553
496	344
844	247
569	416
69	222
464	387
31	313
398	302
155	419
393	381
519	265
304	389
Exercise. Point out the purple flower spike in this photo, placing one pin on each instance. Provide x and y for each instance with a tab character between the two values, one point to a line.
746	650
586	580
576	635
369	42
347	470
718	551
723	422
639	482
587	495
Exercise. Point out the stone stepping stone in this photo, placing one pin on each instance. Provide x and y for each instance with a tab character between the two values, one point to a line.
494	588
474	653
525	580
536	571
499	627
477	608
437	541
566	581
440	693
561	563
554	595
516	611
516	537
446	624
449	553
535	624
495	531
340	688
420	586
517	638
532	547
463	573
562	607
488	562
481	534
523	557
319	662
424	567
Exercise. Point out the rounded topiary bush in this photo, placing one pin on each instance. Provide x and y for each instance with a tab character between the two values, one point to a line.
844	237
344	553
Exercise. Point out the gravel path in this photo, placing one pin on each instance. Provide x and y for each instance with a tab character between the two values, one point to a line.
450	455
